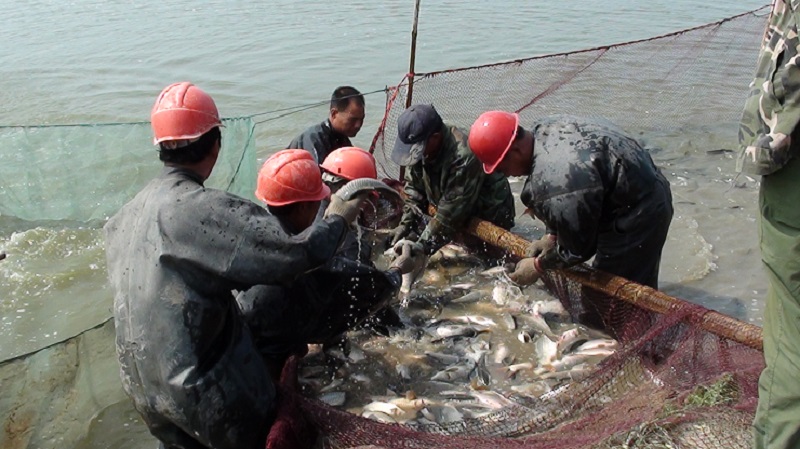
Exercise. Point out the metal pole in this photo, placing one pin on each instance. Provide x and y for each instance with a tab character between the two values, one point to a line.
411	67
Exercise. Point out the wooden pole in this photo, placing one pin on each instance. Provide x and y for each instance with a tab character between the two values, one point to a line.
641	295
412	58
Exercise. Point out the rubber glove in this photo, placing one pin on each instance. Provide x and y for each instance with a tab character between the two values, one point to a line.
525	272
405	262
400	232
541	246
346	209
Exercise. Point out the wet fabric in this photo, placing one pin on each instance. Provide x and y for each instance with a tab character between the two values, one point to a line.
772	109
456	184
317	307
320	140
602	195
175	254
777	422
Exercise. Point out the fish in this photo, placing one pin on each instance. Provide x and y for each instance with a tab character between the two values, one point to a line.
508	320
442	414
533	389
493	272
475	319
453	373
397	413
334	398
568	339
537	320
378	416
546	350
456	330
599	343
447	359
336	383
503	293
403	370
512	370
462	286
362	185
502	355
468	298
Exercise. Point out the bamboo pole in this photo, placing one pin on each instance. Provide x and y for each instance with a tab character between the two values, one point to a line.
640	295
411	62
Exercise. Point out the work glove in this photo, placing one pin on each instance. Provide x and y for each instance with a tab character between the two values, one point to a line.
400	232
405	262
346	209
525	272
541	246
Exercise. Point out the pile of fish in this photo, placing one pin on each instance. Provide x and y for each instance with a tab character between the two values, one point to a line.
470	344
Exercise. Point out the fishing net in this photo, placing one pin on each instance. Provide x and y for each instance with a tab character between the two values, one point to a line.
694	79
684	376
98	168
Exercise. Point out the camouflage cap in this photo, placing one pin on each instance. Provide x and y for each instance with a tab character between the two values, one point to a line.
414	126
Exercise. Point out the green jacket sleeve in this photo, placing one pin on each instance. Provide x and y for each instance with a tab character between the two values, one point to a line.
461	190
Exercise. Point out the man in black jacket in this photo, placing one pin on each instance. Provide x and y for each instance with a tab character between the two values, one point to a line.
344	121
596	190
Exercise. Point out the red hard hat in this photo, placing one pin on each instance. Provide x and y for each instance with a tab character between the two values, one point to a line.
491	136
183	112
290	176
350	163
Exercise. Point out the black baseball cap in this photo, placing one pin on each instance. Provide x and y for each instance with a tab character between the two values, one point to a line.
414	126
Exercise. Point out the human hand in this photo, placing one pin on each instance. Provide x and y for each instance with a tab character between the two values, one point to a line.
347	209
525	273
405	262
400	232
541	246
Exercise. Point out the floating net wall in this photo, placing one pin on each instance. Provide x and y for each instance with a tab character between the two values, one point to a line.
677	381
691	79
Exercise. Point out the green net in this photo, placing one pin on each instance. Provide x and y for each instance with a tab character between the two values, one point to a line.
87	172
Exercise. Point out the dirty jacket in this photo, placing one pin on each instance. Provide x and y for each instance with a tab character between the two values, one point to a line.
320	140
594	187
456	184
175	253
772	109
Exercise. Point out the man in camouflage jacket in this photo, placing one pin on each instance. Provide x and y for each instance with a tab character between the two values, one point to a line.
770	142
444	172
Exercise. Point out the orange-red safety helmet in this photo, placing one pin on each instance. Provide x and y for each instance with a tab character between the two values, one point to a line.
183	112
290	176
491	136
350	163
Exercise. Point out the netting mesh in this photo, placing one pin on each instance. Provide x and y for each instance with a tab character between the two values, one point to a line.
97	168
674	385
690	79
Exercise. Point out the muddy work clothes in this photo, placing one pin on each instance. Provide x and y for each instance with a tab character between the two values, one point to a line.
602	195
456	184
317	308
175	253
320	140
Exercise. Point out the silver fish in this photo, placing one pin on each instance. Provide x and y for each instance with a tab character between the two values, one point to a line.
361	185
334	398
447	359
493	272
475	319
379	416
453	373
468	298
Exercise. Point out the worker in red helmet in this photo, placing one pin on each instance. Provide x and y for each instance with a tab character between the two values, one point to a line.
320	305
597	191
443	172
175	254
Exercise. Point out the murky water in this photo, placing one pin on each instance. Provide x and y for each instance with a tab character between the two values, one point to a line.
104	61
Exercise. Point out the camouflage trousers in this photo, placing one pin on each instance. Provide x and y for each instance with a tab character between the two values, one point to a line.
777	421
